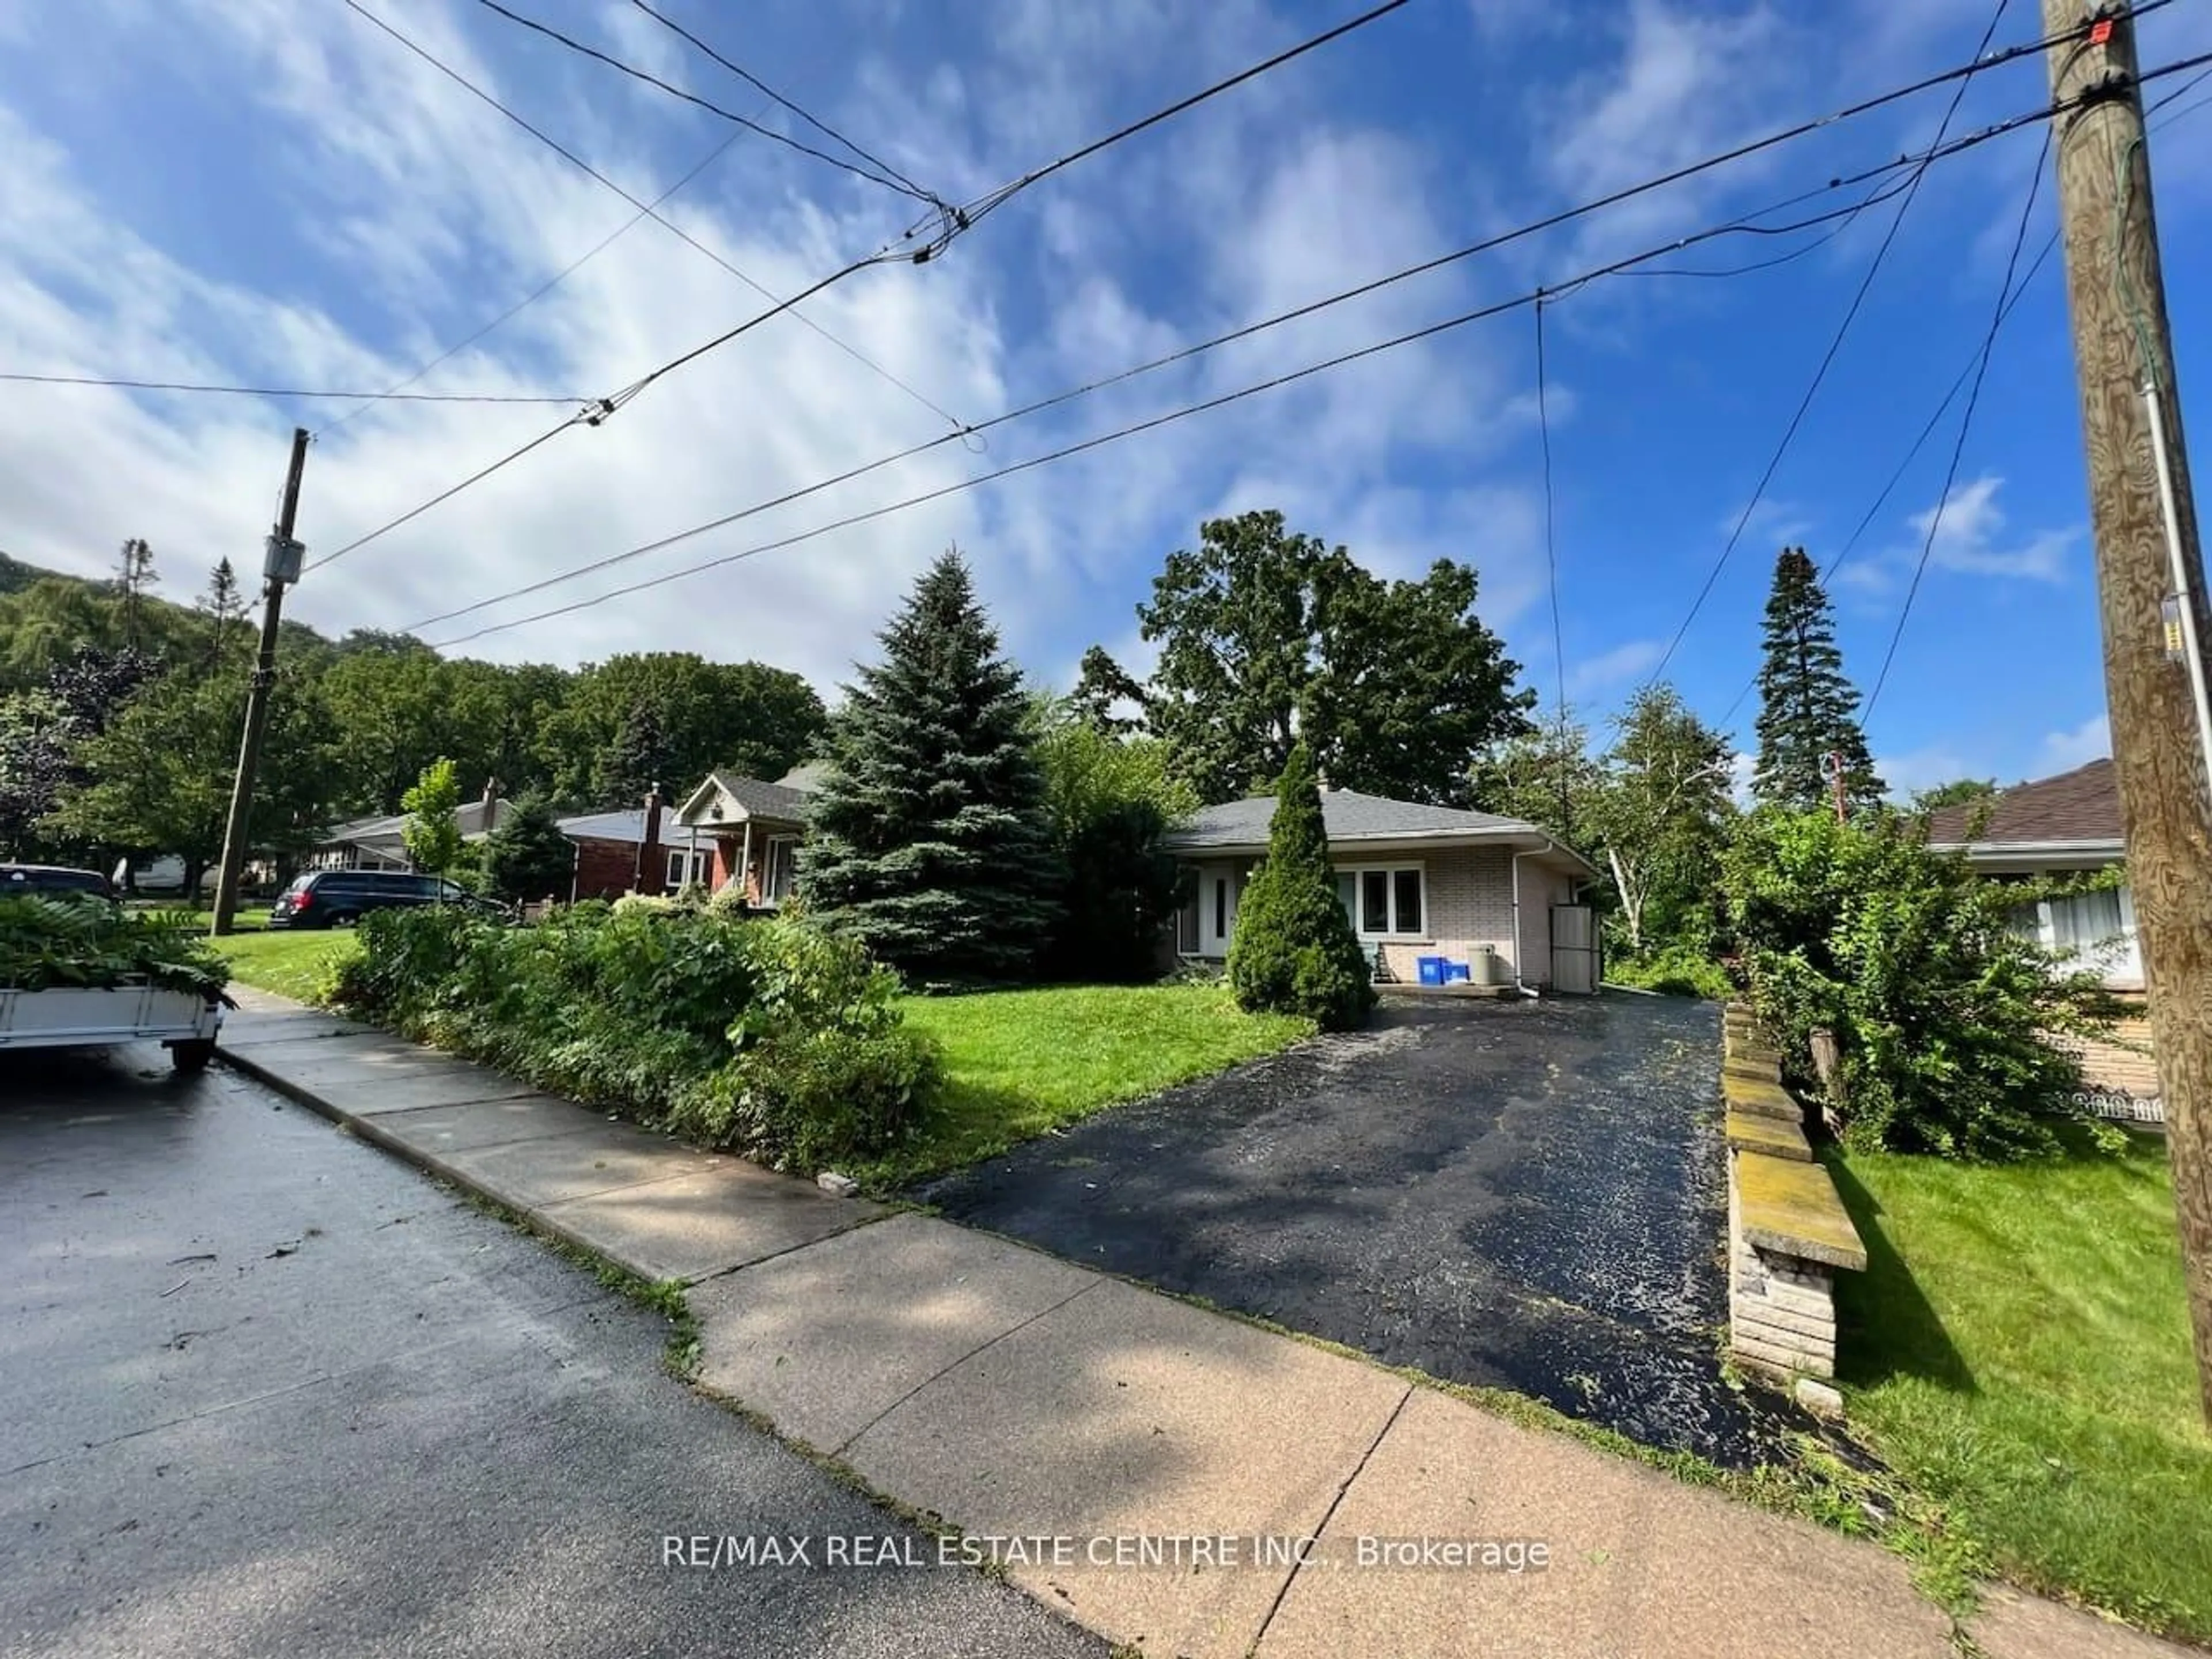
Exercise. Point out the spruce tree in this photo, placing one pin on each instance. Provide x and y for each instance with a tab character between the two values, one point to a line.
1295	951
929	839
1807	710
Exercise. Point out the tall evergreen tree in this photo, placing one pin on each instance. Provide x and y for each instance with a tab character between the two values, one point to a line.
930	839
224	605
1807	710
1295	951
134	576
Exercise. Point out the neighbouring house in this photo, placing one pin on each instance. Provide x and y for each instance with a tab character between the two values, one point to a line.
748	831
1417	881
379	843
2068	825
609	846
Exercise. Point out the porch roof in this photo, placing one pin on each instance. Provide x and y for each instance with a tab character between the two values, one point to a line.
727	798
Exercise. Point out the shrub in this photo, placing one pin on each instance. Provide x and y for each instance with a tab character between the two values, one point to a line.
526	858
1679	970
769	1037
1941	1014
1295	951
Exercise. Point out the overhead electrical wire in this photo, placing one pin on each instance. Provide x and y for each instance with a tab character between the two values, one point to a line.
1828	361
651	209
949	224
1152	423
761	86
284	392
1965	426
902	188
1551	548
1744	224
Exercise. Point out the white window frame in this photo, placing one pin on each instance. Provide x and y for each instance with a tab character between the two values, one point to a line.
684	866
769	896
1391	935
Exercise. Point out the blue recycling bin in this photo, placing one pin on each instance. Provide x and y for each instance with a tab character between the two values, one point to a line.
1458	973
1431	970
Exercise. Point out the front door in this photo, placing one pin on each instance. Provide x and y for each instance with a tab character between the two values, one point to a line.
1219	886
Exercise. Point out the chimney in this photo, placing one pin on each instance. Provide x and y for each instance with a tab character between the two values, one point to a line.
491	806
652	868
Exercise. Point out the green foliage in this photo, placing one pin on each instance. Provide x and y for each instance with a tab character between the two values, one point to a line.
1679	970
1294	951
930	840
1939	1008
1807	710
1267	635
526	856
770	1037
1111	801
1957	793
432	834
1662	821
1545	775
50	940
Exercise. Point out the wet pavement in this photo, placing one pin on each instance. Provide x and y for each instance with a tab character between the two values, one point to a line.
268	1391
1526	1195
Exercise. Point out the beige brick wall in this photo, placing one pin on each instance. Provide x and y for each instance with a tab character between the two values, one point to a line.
1470	897
2125	1064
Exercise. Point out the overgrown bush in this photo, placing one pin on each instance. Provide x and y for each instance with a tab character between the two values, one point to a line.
1679	970
48	941
766	1036
1294	951
1941	1014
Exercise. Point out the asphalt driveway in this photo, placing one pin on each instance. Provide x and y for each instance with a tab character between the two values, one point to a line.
1528	1195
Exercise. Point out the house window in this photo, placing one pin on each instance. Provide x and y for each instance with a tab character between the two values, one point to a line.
685	867
1221	908
1187	928
1389	901
2081	922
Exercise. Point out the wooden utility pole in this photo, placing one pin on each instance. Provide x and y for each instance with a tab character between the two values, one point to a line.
2145	528
279	566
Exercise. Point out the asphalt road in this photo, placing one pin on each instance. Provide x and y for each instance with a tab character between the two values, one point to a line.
265	1391
1530	1195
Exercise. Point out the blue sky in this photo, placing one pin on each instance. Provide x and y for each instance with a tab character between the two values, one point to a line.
278	193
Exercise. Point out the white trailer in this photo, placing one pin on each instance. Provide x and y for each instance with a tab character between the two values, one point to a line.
68	1017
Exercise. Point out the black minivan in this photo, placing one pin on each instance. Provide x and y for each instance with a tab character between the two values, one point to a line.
331	898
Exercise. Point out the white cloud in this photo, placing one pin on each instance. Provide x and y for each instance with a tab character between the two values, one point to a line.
2063	750
1607	669
1969	537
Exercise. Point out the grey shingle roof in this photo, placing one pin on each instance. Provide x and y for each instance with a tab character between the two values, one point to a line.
1346	814
2081	805
614	826
764	800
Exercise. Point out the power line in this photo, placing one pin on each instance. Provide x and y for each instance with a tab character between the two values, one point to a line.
1957	384
281	391
1827	360
952	222
555	281
1745	224
1551	551
1965	425
959	486
649	210
707	104
759	85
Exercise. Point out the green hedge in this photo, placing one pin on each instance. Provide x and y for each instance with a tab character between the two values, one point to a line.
768	1038
1676	971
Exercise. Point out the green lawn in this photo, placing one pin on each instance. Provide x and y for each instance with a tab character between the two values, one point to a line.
1022	1062
2019	1349
291	964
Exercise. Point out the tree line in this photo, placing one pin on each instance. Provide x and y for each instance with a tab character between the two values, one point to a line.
120	713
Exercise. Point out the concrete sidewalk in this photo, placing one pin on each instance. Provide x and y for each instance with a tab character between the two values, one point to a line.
1022	1398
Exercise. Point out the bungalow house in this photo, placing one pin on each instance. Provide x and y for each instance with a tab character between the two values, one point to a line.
1417	881
747	831
2066	825
378	842
608	846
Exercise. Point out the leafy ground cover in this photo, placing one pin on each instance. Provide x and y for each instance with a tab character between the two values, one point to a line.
1018	1063
2019	1350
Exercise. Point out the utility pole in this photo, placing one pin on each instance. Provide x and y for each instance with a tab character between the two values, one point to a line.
2144	522
280	565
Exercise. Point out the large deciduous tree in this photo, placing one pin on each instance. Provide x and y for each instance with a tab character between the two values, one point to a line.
1663	821
742	717
930	839
1546	774
1267	636
1807	710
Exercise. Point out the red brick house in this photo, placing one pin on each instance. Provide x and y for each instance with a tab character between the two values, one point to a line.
607	848
748	831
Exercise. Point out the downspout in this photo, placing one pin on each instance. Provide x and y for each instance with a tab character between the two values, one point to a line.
1517	985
